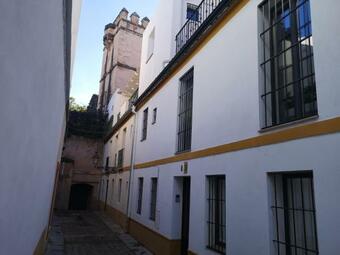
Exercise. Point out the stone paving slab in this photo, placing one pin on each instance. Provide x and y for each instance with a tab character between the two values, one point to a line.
88	233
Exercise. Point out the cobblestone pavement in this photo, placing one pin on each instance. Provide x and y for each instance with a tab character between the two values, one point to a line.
90	233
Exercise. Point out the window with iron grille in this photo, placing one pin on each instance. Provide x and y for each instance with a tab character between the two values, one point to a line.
107	164
112	190
293	211
216	213
140	195
154	115
185	112
145	124
120	158
119	190
287	63
153	199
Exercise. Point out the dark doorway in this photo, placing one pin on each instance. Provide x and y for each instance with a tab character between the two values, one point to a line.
80	196
185	216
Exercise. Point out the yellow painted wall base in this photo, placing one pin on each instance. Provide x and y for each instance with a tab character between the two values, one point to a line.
41	245
152	240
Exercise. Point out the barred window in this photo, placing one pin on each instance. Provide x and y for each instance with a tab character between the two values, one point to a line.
293	210
185	112
153	199
120	160
113	190
216	213
140	195
107	164
287	63
145	124
154	116
119	190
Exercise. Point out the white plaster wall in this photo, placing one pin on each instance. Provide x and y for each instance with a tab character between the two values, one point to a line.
226	86
113	145
247	206
32	103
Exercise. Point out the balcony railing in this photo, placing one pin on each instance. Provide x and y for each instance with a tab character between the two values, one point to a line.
202	12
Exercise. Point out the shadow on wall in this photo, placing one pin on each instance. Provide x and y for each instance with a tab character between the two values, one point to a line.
80	197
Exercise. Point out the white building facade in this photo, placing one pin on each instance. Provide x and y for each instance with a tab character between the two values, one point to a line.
237	129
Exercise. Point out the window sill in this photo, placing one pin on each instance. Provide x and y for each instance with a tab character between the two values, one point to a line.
181	152
288	124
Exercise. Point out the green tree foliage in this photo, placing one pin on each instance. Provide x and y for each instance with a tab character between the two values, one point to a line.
73	106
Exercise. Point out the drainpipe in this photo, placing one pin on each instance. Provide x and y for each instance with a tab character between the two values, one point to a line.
132	163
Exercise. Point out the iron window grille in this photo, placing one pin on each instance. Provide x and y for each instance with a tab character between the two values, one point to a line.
154	115
293	210
107	164
287	63
120	158
119	190
113	190
153	199
145	124
140	195
185	112
216	214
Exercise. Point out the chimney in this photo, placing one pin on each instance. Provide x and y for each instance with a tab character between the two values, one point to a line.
134	18
145	22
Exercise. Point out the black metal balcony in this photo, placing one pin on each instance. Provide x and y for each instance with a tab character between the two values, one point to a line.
198	17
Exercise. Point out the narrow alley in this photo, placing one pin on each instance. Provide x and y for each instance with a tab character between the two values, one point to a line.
89	233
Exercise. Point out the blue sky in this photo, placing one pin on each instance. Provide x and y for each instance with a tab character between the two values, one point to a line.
95	14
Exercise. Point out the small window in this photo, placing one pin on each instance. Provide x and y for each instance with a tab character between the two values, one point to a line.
154	115
140	195
192	12
216	213
120	160
120	190
115	163
153	199
107	163
293	213
151	45
145	124
112	189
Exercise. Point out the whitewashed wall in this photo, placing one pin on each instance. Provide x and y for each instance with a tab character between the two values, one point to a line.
32	103
226	86
226	109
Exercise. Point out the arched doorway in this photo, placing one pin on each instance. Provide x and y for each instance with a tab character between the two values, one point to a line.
80	196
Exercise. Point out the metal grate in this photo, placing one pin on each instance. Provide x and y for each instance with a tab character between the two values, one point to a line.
153	199
185	112
145	124
216	214
196	15
294	214
140	195
120	158
287	64
119	190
